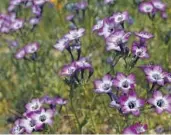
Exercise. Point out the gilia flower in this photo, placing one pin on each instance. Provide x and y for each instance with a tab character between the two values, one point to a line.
61	44
104	85
68	70
34	105
32	47
162	103
136	128
43	117
109	1
82	63
144	35
39	2
17	128
82	5
75	34
28	124
139	51
146	7
130	103
60	101
117	40
159	5
20	54
154	74
98	25
120	17
17	24
124	82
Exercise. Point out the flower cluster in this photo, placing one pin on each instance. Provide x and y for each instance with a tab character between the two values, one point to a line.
28	50
152	7
38	114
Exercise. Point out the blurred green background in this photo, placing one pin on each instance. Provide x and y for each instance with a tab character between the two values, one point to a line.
20	80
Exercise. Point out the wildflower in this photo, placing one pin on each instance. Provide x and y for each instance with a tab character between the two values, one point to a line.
36	10
15	2
123	82
17	128
159	5
42	117
60	101
34	21
109	27
70	17
82	63
161	102
98	25
61	44
120	17
32	48
130	103
82	5
20	54
136	128
146	7
17	24
28	124
68	70
117	40
34	105
109	1
154	74
75	34
140	51
39	2
104	85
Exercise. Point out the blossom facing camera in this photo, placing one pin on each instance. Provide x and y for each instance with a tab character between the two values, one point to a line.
123	82
68	70
104	85
155	74
146	7
42	117
34	105
130	103
32	48
161	102
159	5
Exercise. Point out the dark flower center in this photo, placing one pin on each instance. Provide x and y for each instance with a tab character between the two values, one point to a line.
160	103
120	18
35	107
139	53
125	84
32	123
131	104
42	118
156	76
106	87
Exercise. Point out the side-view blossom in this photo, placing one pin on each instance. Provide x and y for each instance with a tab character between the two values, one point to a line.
136	128
75	34
68	70
32	48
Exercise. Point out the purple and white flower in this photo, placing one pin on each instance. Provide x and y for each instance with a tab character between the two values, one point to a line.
42	117
15	2
136	128
82	5
32	48
104	85
61	44
68	70
161	102
139	51
109	27
34	21
130	103
159	5
20	54
144	35
34	105
98	25
146	7
39	2
75	34
17	128
154	74
17	24
60	101
36	10
120	17
28	124
116	40
109	1
83	63
124	82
